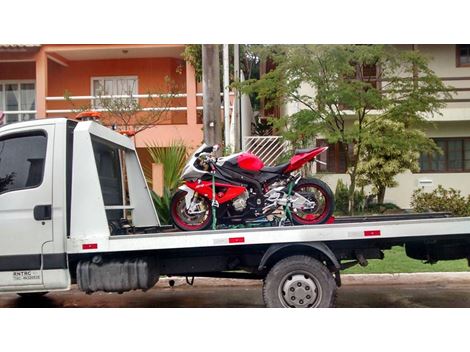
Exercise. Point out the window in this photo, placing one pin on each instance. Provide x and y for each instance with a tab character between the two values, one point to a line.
455	157
110	165
17	96
123	85
22	159
368	73
463	55
334	158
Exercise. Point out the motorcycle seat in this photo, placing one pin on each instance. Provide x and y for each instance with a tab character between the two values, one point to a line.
306	150
278	169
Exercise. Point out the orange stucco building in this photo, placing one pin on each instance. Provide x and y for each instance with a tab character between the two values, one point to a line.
34	80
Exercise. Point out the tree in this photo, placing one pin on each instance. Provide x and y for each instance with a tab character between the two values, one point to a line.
128	113
355	88
388	150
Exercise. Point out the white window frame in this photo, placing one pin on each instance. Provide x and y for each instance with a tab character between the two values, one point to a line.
113	78
3	102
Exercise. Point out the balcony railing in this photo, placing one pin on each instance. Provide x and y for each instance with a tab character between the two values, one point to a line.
92	98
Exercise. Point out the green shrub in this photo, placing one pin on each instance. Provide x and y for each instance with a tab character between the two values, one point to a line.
162	205
173	158
342	202
441	199
341	198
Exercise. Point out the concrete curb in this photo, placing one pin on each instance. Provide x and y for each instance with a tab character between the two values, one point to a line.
407	278
349	279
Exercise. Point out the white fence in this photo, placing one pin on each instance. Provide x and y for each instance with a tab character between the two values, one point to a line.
267	148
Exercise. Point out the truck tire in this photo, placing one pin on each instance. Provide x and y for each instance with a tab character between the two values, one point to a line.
299	281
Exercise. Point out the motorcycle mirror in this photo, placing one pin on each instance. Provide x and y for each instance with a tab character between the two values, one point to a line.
215	148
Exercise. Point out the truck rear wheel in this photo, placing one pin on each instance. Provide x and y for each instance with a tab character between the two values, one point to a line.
299	281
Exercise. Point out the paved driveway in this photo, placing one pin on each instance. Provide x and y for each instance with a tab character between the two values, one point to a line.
397	296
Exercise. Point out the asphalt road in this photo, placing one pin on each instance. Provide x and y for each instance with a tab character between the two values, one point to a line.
249	296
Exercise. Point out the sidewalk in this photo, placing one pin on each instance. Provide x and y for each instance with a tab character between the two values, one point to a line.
347	280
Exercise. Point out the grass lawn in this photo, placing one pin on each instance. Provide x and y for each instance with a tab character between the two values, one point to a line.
396	261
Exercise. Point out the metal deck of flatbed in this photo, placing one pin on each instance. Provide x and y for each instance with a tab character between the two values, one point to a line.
367	229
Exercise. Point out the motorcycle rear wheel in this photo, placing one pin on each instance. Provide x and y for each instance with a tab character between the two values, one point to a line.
189	222
321	192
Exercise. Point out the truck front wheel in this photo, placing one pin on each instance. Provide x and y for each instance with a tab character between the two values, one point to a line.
299	282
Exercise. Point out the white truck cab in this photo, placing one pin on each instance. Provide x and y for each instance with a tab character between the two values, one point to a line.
59	180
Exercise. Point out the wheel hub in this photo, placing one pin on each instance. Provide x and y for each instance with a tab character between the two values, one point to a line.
299	291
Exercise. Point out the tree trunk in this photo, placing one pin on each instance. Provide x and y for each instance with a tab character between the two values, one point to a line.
352	188
381	194
211	94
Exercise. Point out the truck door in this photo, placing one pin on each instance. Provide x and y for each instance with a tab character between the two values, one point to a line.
26	165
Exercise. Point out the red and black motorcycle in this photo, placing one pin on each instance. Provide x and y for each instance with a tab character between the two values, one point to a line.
241	190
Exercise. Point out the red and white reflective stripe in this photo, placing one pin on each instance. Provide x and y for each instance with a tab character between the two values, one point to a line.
371	233
90	246
229	240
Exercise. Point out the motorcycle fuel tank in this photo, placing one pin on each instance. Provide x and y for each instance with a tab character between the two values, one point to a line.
250	162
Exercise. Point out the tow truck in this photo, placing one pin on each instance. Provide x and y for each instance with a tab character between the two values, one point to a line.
75	208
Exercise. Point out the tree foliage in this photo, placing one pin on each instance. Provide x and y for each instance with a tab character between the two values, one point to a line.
388	150
249	60
344	101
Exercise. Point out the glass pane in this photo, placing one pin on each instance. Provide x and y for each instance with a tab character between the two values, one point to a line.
465	53
28	96
27	117
467	154
438	162
132	86
22	162
2	115
9	118
108	164
108	87
1	98
98	87
12	97
109	172
424	162
455	155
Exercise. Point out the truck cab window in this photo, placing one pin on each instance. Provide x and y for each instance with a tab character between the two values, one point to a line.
22	158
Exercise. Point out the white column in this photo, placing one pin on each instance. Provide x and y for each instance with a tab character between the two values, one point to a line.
227	127
236	104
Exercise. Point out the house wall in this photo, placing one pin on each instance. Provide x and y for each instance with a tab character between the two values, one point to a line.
151	73
409	182
17	71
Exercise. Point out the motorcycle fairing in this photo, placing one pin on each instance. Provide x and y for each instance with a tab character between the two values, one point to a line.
204	188
302	157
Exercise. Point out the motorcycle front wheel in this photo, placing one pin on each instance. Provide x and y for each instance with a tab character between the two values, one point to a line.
319	192
186	221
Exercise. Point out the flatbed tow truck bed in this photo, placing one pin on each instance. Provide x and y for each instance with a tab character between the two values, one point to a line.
63	226
355	229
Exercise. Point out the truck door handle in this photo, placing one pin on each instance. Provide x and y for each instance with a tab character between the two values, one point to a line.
43	212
